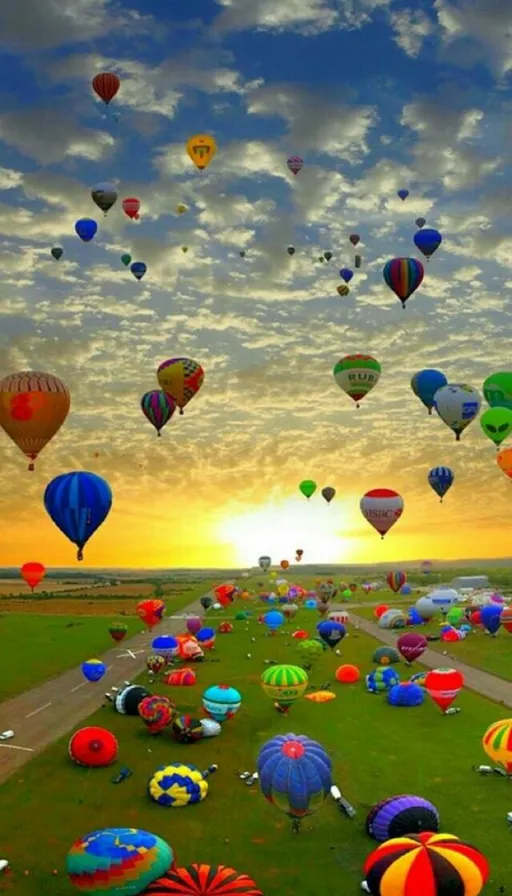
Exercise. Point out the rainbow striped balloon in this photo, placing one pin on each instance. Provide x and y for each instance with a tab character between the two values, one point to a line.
497	743
118	861
403	276
158	408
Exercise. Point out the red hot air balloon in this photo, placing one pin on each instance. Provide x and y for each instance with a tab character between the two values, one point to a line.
382	507
444	685
150	611
396	580
411	646
225	594
33	573
131	206
106	85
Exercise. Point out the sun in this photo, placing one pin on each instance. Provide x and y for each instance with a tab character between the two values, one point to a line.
280	529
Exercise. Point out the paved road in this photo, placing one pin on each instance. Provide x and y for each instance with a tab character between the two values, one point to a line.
476	679
42	715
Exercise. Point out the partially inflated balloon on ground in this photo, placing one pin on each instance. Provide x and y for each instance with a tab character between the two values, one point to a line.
398	816
178	785
347	674
117	861
93	747
204	880
497	743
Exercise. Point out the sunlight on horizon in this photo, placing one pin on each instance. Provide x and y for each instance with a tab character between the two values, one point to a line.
283	528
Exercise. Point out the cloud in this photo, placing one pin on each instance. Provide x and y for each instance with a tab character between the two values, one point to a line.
50	136
411	27
307	17
477	30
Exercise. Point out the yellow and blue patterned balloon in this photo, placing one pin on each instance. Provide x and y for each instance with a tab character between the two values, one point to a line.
93	670
118	861
178	785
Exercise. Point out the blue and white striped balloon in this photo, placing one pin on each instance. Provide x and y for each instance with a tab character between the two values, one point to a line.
440	480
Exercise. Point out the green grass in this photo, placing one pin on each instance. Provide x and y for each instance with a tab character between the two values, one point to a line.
479	649
377	751
38	647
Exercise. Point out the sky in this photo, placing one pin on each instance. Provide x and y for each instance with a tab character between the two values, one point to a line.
375	96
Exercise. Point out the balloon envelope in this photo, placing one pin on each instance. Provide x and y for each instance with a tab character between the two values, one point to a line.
440	480
201	149
382	508
427	240
86	229
78	503
426	383
33	407
33	573
457	404
403	276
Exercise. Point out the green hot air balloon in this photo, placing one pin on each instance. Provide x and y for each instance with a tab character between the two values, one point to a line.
126	259
497	424
309	651
307	487
498	390
284	684
57	252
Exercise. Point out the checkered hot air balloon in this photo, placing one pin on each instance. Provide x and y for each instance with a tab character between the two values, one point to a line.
204	880
383	678
181	378
497	743
437	864
117	861
179	785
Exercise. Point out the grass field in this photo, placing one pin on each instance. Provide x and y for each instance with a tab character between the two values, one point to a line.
42	638
377	751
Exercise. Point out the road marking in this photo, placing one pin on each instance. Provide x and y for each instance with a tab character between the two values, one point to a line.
78	686
35	711
14	747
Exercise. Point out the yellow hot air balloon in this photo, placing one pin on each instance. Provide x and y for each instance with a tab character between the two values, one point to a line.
181	209
342	290
504	459
33	407
201	149
180	378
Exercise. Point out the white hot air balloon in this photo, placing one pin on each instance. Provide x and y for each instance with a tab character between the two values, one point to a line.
265	563
457	404
382	507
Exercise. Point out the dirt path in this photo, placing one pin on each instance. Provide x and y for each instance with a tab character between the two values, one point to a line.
477	680
42	715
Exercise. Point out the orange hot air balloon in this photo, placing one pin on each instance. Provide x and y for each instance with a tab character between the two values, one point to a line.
33	407
201	149
33	573
504	459
106	85
284	564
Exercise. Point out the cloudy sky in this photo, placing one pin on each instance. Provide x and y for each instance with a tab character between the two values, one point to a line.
375	95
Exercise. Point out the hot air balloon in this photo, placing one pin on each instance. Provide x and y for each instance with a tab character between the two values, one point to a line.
294	775
131	206
33	407
443	685
265	563
496	423
457	404
126	259
504	461
225	594
427	240
328	493
411	646
346	274
116	861
184	249
420	222
331	632
425	384
181	208
357	375
437	864
403	276
398	816
181	378
498	390
93	670
106	85
151	611
104	195
291	250
78	503
33	573
295	164
298	554
203	880
284	564
354	238
138	269
86	229
497	743
308	488
118	630
57	252
327	256
440	480
158	408
201	149
342	290
382	507
403	194
285	684
396	580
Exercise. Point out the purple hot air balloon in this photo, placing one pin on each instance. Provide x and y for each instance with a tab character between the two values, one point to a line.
411	646
346	274
403	194
194	624
158	407
399	816
295	164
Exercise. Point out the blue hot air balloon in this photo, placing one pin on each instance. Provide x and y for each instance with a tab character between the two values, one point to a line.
138	269
425	384
273	620
93	670
490	618
78	503
427	241
440	480
294	775
346	274
86	229
403	194
331	632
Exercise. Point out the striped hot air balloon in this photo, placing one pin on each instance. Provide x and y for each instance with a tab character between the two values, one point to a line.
497	743
204	880
437	864
396	580
403	276
284	684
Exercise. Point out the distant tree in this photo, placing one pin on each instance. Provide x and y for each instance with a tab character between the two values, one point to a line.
159	591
